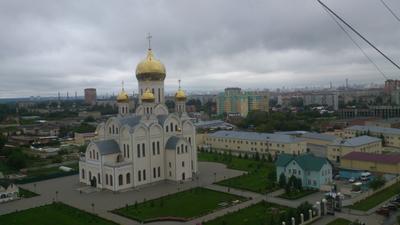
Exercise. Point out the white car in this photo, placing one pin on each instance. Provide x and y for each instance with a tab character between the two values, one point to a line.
352	180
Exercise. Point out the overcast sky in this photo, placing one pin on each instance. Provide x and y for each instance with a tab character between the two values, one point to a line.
51	46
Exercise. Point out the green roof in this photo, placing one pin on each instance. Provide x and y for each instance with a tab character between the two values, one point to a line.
306	161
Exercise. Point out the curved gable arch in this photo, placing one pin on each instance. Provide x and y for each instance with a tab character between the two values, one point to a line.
187	125
161	109
155	129
140	130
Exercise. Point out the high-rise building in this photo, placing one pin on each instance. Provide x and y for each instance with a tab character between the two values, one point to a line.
234	100
90	96
327	99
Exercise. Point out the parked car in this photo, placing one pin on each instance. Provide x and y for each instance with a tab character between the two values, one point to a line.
352	180
391	207
383	211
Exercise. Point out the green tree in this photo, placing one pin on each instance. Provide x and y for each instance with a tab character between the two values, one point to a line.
377	182
282	180
17	160
3	141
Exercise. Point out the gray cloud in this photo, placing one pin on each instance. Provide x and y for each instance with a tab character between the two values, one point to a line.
50	46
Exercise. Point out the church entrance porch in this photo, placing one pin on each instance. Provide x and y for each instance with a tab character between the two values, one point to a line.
93	182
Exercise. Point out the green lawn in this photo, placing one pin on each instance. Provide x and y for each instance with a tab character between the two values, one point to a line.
47	173
24	193
377	198
257	214
297	195
187	204
340	221
56	213
257	178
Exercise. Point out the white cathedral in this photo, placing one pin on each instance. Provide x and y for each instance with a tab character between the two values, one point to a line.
150	145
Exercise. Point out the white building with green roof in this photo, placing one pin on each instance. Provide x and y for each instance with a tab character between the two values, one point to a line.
313	171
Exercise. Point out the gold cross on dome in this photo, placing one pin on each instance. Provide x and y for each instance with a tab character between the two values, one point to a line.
149	39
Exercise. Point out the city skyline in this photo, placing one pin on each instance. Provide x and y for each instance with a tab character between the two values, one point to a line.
209	46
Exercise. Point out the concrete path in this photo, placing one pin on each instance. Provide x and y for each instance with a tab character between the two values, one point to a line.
68	191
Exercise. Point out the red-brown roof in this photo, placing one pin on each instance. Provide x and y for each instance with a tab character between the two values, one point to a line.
372	157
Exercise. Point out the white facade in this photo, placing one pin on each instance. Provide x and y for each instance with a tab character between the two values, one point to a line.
144	147
8	192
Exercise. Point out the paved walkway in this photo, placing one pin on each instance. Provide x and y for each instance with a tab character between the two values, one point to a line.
104	201
67	189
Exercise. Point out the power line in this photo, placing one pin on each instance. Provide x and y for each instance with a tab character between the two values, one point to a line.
355	31
390	10
356	44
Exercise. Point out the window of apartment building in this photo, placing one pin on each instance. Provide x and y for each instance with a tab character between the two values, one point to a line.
159	171
158	147
183	164
138	150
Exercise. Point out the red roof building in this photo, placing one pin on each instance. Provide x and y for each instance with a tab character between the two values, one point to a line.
382	163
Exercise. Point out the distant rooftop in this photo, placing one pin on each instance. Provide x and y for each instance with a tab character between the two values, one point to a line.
292	132
307	162
281	138
356	141
319	136
371	157
375	129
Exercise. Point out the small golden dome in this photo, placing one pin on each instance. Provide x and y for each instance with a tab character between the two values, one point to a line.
148	96
180	95
123	97
150	68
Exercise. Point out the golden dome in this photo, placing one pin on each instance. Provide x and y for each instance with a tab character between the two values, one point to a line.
123	97
150	68
148	96
180	95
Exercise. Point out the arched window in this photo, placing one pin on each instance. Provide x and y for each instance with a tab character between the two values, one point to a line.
83	173
182	147
143	150
113	129
128	178
120	180
186	149
127	151
140	175
166	128
90	175
90	154
176	127
98	178
107	179
111	180
109	130
158	147
138	150
178	149
116	130
97	155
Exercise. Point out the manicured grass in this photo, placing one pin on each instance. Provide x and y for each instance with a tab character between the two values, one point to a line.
47	173
377	198
255	180
182	205
260	213
340	221
24	193
297	194
55	213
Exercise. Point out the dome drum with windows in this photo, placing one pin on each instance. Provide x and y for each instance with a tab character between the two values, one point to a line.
150	69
